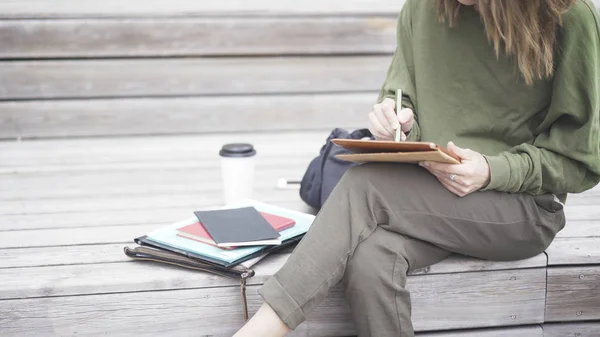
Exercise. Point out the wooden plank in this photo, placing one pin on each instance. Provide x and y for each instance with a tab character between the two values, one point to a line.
185	115
112	253
62	255
196	160
116	8
460	263
73	236
580	229
136	173
455	301
137	182
573	294
208	168
10	130
125	275
530	331
582	212
194	36
57	271
182	175
216	312
584	199
588	329
119	203
475	300
192	199
104	278
188	77
98	218
574	251
124	154
81	230
92	218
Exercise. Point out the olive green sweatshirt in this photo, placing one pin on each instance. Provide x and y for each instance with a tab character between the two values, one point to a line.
540	138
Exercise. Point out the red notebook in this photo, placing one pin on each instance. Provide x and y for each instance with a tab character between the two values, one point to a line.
197	232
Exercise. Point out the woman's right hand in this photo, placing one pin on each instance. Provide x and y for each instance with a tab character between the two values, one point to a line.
383	120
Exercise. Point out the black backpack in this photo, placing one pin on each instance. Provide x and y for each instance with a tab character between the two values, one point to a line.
325	171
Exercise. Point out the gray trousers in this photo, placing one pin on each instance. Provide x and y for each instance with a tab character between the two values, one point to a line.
383	220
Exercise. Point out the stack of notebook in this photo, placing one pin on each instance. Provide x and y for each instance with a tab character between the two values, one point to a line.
233	228
227	242
220	240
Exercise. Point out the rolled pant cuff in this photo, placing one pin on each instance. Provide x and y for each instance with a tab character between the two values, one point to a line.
282	303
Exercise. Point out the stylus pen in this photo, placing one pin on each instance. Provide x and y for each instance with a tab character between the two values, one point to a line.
397	136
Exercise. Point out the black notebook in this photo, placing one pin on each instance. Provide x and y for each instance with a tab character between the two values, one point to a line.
238	226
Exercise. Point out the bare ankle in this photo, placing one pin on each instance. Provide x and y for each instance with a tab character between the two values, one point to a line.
264	323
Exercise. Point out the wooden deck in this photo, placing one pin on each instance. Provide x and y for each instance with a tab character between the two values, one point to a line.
69	206
111	117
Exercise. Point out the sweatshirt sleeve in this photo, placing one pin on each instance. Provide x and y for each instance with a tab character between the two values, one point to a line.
564	157
401	73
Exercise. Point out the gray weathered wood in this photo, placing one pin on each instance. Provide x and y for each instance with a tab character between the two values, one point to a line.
123	275
215	311
183	115
113	253
490	298
530	331
79	204
573	294
203	159
462	300
116	8
147	182
91	218
460	263
582	212
62	255
104	278
118	211
193	199
581	228
62	276
185	176
584	199
193	36
101	154
185	77
74	236
575	251
588	329
108	217
62	154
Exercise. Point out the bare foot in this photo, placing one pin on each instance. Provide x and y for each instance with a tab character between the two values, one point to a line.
265	323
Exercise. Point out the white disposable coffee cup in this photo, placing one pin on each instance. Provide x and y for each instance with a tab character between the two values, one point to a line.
237	171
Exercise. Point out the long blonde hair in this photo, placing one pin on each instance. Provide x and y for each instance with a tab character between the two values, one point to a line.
527	29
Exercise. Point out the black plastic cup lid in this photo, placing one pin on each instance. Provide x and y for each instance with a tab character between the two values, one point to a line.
237	150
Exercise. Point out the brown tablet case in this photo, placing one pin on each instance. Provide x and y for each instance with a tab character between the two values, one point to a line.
397	152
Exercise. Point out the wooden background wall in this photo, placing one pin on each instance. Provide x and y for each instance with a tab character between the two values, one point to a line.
89	68
112	67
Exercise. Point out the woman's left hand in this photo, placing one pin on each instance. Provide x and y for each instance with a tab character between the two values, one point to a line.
461	179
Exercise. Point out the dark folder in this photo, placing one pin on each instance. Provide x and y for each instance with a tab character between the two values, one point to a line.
229	226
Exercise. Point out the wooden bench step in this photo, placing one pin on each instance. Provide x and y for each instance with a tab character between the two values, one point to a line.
587	329
574	251
143	116
116	8
74	79
61	260
573	293
197	36
531	331
478	295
